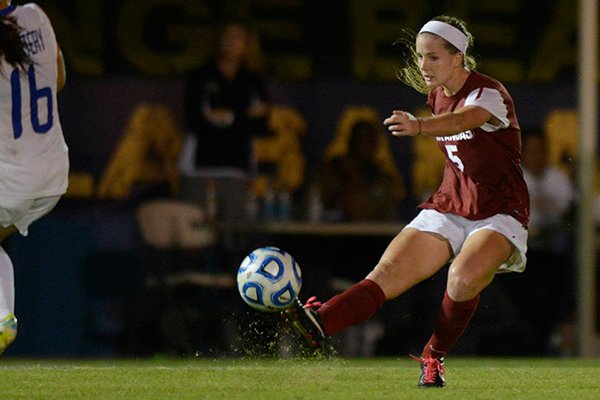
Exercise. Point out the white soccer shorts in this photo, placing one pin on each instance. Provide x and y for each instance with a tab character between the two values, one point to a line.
22	213
457	229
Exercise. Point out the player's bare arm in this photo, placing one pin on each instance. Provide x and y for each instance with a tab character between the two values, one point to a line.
61	78
402	123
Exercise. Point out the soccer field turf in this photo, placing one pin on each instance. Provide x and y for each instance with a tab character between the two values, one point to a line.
314	379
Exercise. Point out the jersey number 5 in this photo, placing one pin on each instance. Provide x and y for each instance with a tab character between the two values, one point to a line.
451	149
35	96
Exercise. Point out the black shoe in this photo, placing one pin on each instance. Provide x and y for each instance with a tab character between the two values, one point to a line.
305	320
432	372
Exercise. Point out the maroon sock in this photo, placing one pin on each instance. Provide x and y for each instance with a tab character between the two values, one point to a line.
451	321
355	305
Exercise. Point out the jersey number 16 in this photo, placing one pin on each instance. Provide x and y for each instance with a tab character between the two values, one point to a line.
35	95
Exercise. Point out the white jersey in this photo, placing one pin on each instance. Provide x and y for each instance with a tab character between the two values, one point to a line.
33	153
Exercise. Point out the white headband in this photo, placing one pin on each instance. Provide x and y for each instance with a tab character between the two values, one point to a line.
446	31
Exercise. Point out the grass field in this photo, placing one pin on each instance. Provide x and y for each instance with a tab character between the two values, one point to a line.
314	379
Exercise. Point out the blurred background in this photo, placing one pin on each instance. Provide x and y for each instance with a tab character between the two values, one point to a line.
140	256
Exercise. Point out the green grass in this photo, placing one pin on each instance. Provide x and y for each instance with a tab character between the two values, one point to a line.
311	379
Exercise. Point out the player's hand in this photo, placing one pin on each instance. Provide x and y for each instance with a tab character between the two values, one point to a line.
402	123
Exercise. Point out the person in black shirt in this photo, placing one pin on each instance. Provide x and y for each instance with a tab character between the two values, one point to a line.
226	104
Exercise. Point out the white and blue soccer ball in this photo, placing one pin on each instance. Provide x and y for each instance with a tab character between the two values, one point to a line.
269	279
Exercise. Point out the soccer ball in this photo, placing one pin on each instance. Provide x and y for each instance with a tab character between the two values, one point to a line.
269	279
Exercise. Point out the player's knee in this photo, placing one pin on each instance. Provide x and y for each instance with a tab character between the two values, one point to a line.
462	287
391	279
8	332
385	268
383	275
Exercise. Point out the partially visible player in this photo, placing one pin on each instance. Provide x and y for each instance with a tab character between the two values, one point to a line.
477	220
34	162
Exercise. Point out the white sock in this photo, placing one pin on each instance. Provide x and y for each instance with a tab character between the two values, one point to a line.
7	285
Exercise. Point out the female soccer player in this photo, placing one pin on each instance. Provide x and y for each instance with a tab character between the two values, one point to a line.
34	161
476	220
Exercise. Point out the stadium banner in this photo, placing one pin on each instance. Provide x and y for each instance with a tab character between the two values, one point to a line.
307	39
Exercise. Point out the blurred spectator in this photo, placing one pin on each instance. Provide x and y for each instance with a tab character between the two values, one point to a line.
542	294
551	193
362	182
226	105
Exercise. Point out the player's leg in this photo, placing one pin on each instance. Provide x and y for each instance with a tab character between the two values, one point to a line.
411	257
18	215
471	271
8	322
6	232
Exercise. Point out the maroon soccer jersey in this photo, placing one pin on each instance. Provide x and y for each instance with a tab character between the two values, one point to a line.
482	175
